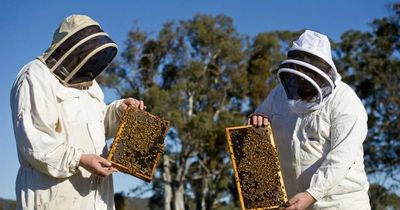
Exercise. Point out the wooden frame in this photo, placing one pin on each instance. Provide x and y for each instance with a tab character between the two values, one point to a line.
138	118
234	154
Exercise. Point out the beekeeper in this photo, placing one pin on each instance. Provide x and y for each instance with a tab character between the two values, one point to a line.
319	125
61	121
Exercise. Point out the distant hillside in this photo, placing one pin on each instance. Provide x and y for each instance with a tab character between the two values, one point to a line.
7	204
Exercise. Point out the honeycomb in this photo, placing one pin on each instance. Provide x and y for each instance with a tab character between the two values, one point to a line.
257	169
138	144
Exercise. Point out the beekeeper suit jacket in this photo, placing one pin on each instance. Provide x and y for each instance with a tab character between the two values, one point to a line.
321	151
54	125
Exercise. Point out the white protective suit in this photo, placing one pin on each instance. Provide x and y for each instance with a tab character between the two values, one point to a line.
321	151
54	125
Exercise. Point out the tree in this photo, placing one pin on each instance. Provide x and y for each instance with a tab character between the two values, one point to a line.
372	66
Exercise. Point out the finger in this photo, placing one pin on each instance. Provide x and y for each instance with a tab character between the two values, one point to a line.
254	120
135	103
111	170
108	170
293	200
103	162
248	121
129	101
132	101
105	173
100	171
141	105
259	120
265	121
123	106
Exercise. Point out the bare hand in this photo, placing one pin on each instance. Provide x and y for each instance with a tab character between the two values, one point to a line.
257	119
132	102
96	165
301	201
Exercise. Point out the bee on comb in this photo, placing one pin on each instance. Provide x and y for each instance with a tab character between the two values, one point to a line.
256	167
138	144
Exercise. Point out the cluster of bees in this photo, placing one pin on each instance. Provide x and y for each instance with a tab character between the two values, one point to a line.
257	167
139	142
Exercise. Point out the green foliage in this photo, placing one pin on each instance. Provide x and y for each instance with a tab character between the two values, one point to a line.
120	201
381	198
7	204
265	53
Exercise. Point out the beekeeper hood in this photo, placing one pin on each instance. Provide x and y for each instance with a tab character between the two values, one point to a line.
80	51
308	75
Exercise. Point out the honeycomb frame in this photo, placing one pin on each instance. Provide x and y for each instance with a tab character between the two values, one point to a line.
246	161
130	160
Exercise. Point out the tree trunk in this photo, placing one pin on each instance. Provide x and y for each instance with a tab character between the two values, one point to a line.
167	182
179	180
190	105
179	202
205	192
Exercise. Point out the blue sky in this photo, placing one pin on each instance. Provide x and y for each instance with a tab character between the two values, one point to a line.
26	29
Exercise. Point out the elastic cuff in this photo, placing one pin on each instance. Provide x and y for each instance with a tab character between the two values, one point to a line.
73	167
315	194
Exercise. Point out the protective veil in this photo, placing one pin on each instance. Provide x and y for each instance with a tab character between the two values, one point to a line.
55	124
320	149
80	51
309	74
